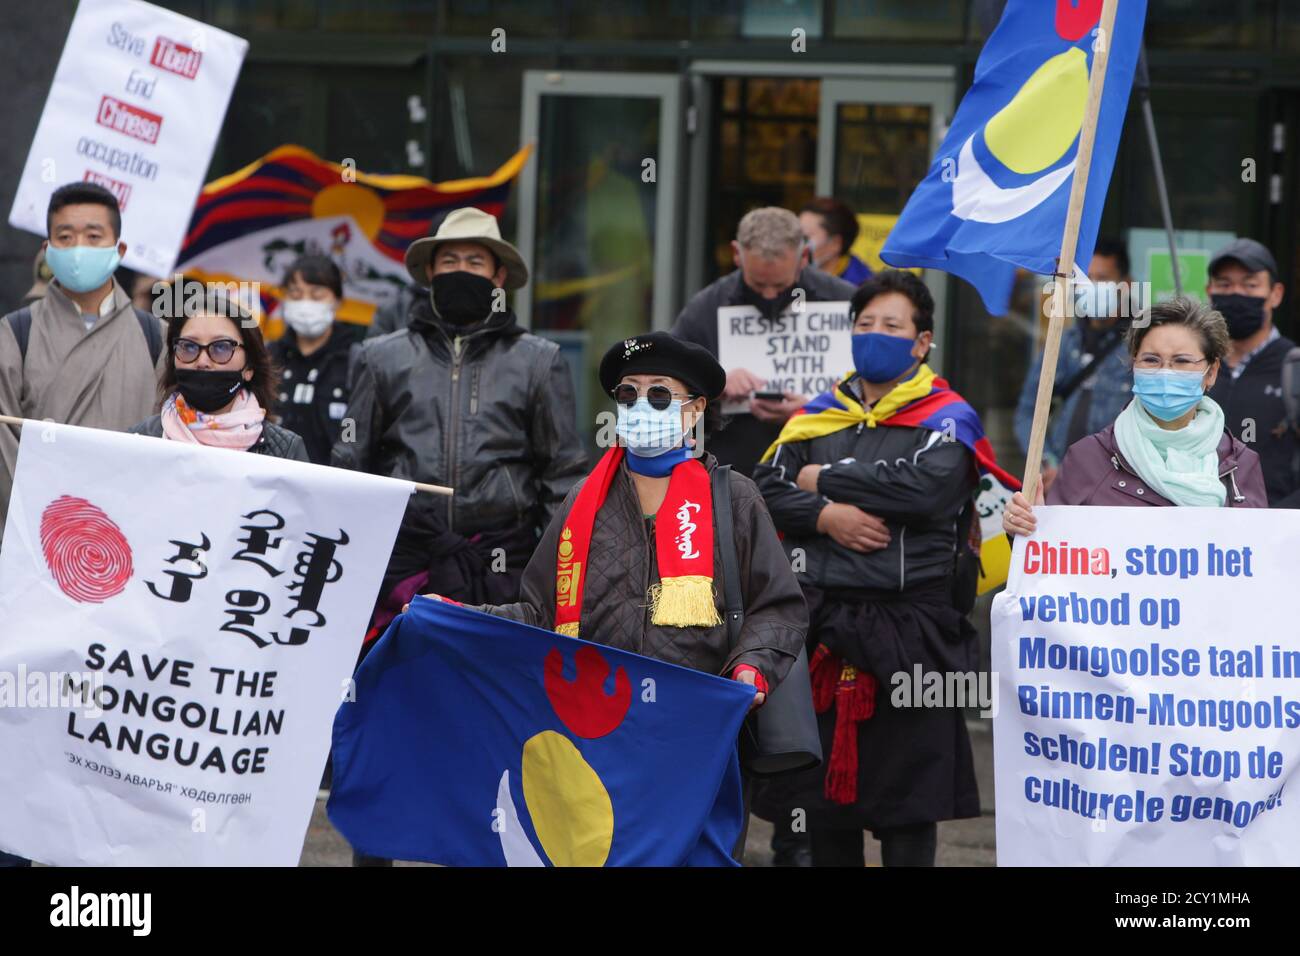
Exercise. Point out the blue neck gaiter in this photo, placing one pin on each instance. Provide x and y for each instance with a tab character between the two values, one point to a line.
660	465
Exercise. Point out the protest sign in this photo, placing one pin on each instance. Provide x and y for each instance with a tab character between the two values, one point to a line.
138	99
1149	689
804	350
179	626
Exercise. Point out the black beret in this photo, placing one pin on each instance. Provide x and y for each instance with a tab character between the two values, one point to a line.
659	353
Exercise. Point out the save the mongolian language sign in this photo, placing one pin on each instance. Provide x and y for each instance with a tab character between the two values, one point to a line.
178	626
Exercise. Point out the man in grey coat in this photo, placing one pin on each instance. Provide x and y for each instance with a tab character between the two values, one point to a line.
772	273
81	355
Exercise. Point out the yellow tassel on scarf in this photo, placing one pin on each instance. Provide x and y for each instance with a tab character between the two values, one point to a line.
686	601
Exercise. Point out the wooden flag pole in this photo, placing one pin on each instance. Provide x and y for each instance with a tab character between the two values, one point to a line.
417	485
1062	285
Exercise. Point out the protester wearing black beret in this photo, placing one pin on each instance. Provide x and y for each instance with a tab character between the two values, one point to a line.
635	559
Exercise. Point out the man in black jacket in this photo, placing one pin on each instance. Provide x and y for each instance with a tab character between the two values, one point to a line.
464	397
772	274
875	512
1243	286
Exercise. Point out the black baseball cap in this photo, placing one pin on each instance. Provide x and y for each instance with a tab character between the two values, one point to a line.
1251	254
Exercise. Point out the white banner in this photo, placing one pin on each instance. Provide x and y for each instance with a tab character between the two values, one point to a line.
179	626
138	99
263	257
1148	667
804	351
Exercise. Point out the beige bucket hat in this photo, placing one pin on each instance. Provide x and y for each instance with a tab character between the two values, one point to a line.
467	225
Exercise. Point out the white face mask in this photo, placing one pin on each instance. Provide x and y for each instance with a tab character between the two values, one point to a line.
648	432
308	317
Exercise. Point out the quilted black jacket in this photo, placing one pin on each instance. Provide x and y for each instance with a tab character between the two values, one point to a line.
275	441
621	567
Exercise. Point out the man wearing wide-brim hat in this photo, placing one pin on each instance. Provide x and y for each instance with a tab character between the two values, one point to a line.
465	397
468	226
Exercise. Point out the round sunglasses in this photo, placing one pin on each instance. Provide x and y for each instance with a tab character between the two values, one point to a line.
659	396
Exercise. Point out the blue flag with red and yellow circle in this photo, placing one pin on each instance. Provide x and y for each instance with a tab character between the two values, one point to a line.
473	740
996	195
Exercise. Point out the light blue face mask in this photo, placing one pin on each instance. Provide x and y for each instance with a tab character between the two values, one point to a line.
82	268
649	432
1167	394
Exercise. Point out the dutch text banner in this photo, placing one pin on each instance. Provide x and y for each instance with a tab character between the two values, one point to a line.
1148	665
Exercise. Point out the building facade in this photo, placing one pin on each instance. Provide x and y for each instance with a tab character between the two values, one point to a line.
658	124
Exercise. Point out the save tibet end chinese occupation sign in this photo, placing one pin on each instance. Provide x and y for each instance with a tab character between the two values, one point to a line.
138	99
178	626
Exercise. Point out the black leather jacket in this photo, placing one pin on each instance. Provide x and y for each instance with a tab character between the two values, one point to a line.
490	413
912	478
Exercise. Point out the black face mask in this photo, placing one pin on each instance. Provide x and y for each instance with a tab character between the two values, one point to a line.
770	308
1243	313
461	298
208	390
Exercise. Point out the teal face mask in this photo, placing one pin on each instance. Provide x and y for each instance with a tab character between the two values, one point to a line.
1167	394
82	268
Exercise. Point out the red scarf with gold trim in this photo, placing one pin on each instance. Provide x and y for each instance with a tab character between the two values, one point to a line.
683	546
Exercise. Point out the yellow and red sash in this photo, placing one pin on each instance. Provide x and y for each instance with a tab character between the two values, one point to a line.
683	546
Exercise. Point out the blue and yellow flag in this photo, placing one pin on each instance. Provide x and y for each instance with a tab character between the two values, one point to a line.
996	196
472	740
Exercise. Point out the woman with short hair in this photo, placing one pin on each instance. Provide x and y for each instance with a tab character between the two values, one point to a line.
313	355
1170	445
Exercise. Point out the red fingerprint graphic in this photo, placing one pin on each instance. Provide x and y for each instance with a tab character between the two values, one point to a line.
85	551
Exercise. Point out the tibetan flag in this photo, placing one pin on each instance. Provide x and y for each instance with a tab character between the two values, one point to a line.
996	196
473	740
251	225
923	401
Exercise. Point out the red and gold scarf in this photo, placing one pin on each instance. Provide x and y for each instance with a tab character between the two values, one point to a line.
683	546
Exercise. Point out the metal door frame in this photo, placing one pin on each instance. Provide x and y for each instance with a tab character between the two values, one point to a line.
930	86
666	87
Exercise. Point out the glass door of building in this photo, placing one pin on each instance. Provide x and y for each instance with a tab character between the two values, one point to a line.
597	203
876	137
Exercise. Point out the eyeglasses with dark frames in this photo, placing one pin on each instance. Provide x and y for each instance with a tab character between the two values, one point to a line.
220	351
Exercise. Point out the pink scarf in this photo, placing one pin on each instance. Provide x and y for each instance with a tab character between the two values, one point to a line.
240	428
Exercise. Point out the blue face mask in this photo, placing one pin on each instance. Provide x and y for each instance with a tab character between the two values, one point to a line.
881	358
648	432
1167	394
82	268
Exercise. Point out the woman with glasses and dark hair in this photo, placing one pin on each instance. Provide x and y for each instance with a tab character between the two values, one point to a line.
1170	445
218	383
